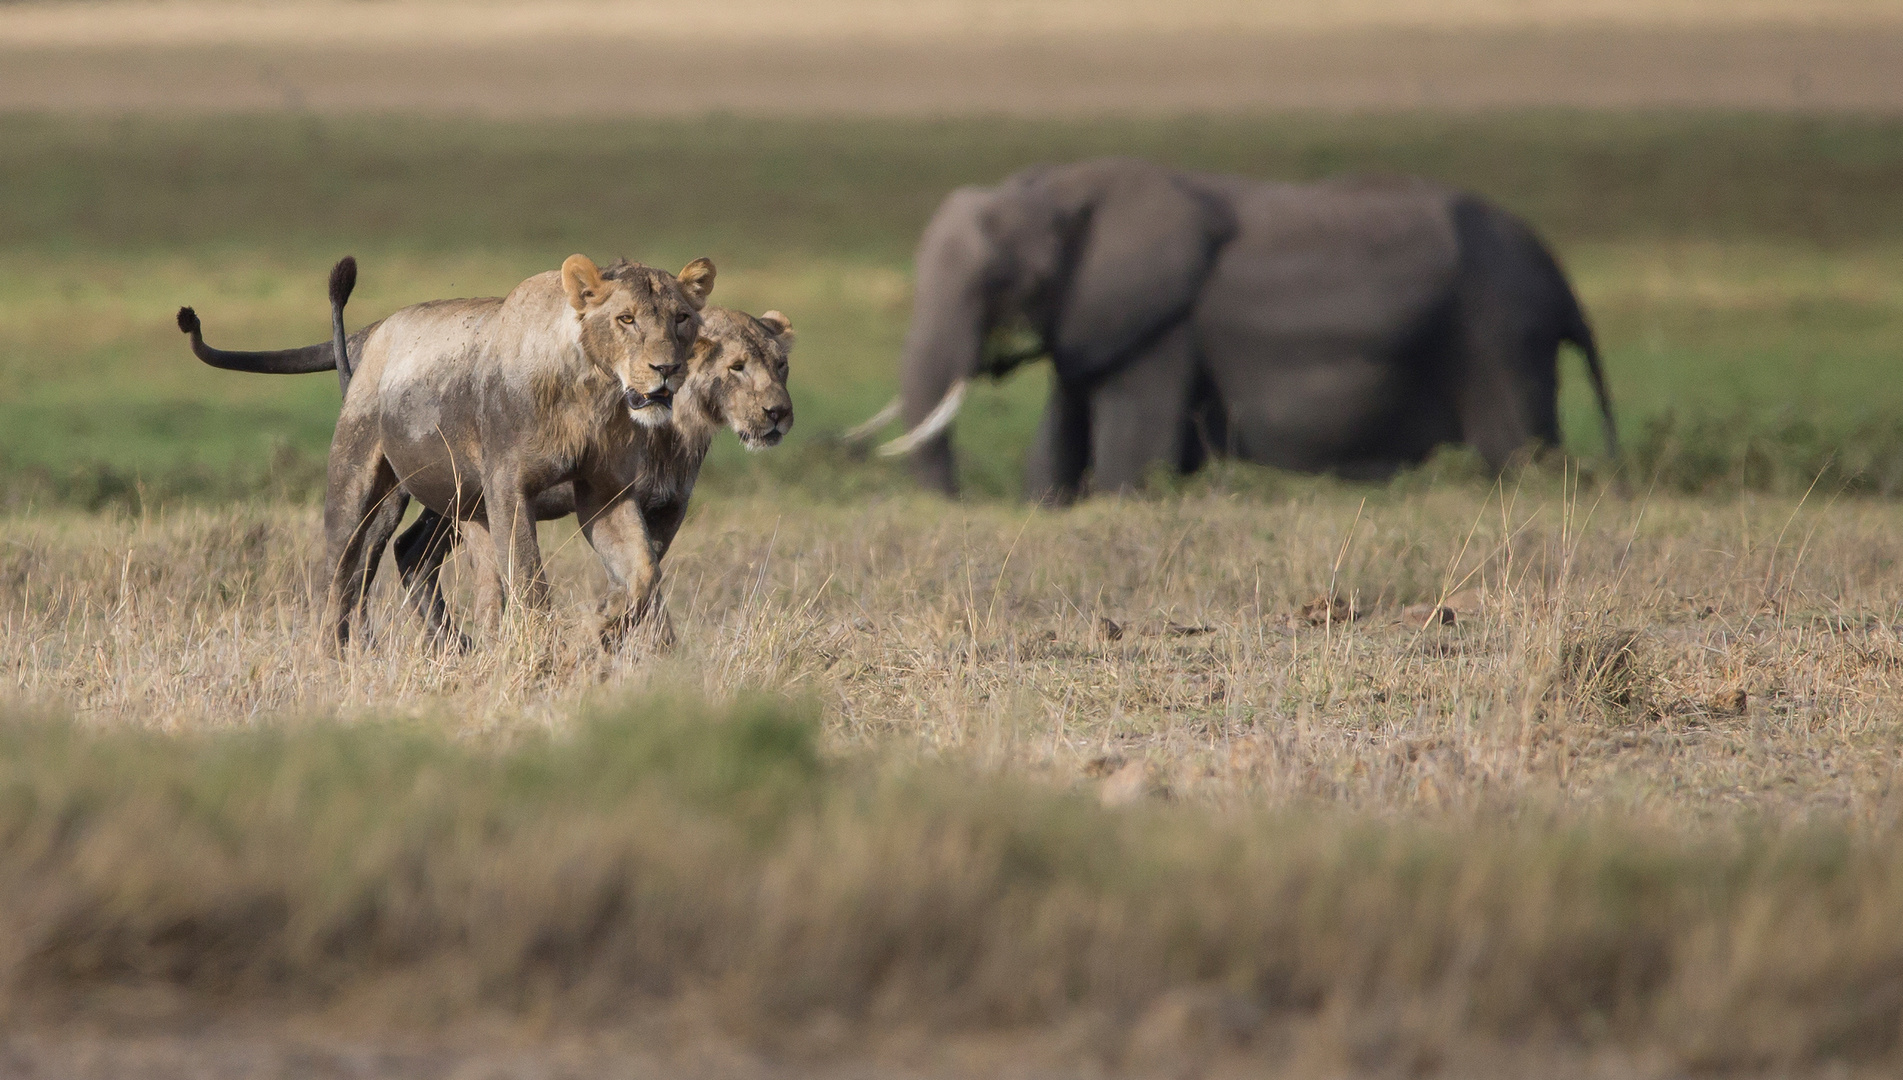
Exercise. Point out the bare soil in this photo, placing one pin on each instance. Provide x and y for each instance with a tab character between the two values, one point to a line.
257	1052
940	58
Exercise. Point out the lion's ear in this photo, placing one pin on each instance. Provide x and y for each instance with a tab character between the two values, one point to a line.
697	282
779	326
582	281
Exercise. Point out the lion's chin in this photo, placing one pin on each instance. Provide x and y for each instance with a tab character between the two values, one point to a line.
654	414
760	440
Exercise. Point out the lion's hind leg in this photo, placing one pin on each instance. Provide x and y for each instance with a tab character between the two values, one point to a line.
362	509
419	554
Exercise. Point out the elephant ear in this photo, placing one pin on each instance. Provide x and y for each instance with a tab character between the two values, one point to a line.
1145	245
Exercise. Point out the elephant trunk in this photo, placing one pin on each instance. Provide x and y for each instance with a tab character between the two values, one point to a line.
943	346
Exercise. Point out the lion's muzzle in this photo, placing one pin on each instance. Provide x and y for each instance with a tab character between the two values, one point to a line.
637	400
779	421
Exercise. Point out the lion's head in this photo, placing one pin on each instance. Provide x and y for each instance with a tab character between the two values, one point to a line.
638	325
738	374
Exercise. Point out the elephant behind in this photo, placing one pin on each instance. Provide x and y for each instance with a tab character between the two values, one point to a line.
1349	326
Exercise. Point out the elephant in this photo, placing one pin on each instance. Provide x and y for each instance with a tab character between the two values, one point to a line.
1348	326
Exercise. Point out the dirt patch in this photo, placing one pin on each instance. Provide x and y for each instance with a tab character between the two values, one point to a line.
1109	67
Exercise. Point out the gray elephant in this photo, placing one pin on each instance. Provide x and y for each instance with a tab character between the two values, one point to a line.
1348	326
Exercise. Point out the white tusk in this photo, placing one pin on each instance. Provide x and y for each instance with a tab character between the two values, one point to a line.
871	427
931	427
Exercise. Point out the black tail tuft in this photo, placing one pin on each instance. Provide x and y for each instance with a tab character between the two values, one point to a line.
343	278
188	320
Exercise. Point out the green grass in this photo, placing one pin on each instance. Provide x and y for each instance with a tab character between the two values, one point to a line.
1738	267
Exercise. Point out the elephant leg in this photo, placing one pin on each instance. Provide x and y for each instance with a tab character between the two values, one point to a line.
1513	308
1137	415
932	466
1507	396
1054	471
1205	427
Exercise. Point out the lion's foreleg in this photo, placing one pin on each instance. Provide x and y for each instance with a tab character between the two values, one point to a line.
663	522
484	572
619	534
518	555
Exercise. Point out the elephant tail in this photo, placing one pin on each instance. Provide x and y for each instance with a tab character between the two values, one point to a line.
1580	334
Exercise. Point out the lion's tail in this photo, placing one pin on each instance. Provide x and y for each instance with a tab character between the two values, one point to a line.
343	278
300	361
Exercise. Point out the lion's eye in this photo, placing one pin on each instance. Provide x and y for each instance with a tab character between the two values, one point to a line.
625	318
737	365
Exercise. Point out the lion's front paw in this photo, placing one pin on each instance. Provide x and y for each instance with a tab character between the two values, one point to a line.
624	622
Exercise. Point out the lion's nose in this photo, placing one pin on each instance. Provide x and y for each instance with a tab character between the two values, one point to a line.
666	371
777	413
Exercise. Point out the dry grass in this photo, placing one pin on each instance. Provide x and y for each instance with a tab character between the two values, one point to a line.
665	862
1629	811
1632	801
977	632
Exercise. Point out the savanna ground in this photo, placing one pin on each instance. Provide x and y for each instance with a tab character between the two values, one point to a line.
1570	779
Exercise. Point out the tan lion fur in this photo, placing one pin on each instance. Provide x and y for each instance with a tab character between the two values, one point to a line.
736	378
475	407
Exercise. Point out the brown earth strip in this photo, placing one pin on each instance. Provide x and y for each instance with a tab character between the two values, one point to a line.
1754	67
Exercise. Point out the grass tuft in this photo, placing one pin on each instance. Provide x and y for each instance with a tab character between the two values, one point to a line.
600	874
1606	667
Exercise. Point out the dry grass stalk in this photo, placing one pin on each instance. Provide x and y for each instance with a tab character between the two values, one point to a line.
909	628
918	640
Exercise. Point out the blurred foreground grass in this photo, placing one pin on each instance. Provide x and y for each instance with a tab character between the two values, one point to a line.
1745	273
664	851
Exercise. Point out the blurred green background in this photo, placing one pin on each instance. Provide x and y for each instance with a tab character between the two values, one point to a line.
1744	273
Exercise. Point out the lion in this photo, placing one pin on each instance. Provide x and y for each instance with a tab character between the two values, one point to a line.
476	407
736	378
